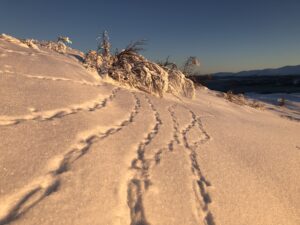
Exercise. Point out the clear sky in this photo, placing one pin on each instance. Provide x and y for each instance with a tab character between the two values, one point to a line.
226	35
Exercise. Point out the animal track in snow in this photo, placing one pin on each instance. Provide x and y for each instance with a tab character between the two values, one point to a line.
140	181
14	206
59	113
51	78
174	140
200	184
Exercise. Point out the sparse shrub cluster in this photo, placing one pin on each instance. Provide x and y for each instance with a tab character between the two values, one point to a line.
281	101
240	99
59	46
56	46
92	60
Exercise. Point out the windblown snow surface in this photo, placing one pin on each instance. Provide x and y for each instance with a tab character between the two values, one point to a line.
77	150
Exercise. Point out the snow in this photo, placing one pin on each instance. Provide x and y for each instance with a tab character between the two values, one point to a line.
75	149
290	107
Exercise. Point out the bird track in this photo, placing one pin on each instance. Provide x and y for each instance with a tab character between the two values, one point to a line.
51	78
201	184
174	140
59	113
14	206
175	128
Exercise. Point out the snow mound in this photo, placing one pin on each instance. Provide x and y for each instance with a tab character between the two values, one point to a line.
31	43
13	40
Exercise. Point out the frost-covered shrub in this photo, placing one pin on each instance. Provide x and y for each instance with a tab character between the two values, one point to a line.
59	46
240	99
92	60
179	84
132	69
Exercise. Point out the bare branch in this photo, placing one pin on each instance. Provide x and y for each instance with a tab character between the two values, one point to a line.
133	48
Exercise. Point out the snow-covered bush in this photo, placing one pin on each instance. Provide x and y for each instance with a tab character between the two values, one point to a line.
92	60
180	85
130	68
59	46
133	69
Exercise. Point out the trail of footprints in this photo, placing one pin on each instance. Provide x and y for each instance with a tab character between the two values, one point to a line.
200	184
92	105
140	181
59	113
16	205
51	78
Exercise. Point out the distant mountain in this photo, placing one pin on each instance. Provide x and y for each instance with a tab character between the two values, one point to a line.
286	70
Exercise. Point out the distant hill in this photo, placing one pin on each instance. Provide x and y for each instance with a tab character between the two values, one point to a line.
282	80
286	70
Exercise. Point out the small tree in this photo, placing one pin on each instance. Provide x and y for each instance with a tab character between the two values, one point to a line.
104	45
103	51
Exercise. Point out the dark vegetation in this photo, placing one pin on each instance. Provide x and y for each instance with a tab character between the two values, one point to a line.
243	84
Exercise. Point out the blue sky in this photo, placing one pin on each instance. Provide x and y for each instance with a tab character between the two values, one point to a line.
229	35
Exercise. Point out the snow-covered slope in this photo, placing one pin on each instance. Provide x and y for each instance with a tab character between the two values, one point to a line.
77	150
